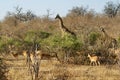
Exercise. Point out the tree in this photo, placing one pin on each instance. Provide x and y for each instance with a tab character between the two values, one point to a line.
111	9
77	11
19	15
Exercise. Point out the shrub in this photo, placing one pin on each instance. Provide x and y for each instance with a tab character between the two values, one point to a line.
35	36
44	35
67	41
93	36
29	37
63	45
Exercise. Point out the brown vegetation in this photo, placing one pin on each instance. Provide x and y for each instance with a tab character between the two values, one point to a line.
22	34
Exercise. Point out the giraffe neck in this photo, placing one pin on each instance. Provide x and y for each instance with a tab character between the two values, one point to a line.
63	28
61	22
105	34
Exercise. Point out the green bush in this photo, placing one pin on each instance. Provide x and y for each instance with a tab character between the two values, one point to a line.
15	42
66	42
29	37
63	45
44	35
34	36
93	36
52	41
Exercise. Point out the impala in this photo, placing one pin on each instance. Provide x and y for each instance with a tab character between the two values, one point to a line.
26	55
15	55
94	60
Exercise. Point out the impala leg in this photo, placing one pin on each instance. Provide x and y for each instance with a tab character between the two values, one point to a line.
91	63
98	63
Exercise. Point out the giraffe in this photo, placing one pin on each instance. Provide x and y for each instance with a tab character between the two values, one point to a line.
63	28
108	40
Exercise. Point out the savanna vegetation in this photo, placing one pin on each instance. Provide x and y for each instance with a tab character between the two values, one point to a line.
25	29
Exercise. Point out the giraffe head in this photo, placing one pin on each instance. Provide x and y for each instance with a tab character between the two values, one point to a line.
57	16
102	29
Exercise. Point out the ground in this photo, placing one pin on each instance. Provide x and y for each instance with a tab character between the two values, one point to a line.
54	70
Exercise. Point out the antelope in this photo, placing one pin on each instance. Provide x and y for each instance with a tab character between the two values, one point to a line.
12	52
15	55
94	59
32	58
27	56
45	55
115	51
39	55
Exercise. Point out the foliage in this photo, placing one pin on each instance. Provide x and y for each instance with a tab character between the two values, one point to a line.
44	35
93	36
30	37
66	42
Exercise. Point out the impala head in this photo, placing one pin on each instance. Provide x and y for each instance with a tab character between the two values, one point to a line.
89	55
31	55
24	53
38	52
32	58
14	54
57	16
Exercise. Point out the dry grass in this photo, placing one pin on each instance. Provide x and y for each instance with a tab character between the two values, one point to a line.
53	70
